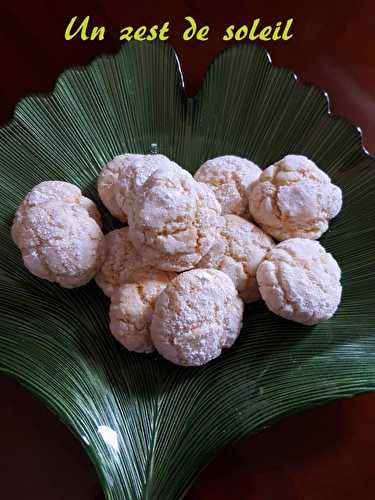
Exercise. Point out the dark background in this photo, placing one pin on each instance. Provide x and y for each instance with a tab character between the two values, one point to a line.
323	454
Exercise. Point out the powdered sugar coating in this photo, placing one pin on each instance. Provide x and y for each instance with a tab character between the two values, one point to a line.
132	307
92	209
238	249
300	281
198	314
121	178
294	198
230	178
59	242
121	261
107	181
135	172
59	191
174	220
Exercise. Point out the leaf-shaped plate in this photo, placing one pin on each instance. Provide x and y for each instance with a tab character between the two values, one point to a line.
148	426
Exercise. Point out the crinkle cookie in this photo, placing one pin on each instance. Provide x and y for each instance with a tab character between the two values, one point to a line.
230	178
59	242
300	281
174	220
134	174
239	248
294	198
120	179
59	191
132	307
198	314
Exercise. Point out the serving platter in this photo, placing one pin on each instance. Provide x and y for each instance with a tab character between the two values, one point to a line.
148	426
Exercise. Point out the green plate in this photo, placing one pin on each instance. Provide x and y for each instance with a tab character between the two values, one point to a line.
150	427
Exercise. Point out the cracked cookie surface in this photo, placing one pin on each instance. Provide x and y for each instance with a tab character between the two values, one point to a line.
300	281
197	315
238	249
134	174
230	178
107	181
122	262
59	191
120	180
294	199
59	242
132	307
174	220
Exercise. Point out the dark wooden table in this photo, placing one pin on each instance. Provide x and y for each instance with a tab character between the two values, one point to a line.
323	454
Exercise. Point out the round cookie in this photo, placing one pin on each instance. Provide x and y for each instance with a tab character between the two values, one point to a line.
59	242
300	281
198	314
294	198
174	220
230	178
132	307
238	249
